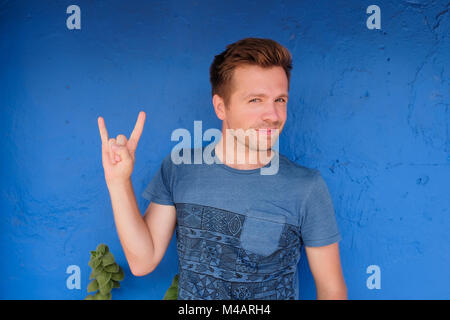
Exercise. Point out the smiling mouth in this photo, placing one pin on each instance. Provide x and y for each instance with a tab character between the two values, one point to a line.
266	130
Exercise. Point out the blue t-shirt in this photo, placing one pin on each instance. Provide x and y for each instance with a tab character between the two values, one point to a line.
239	233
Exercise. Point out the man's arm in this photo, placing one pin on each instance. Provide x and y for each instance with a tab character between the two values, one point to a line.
143	239
160	220
325	266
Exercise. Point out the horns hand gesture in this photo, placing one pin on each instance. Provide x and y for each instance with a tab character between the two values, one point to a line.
118	154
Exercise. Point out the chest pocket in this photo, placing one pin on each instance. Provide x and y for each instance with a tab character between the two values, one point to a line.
261	231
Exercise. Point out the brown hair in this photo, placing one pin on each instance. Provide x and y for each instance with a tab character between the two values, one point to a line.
254	51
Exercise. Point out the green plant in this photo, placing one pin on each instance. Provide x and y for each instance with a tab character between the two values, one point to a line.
106	274
172	292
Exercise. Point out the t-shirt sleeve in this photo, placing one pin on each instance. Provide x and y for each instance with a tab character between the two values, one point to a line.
319	226
159	190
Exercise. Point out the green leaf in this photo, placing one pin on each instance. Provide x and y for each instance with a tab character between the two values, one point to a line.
89	297
116	284
102	249
93	254
94	262
104	290
95	272
91	262
118	276
172	292
93	275
93	286
108	259
112	268
103	278
97	263
108	296
99	296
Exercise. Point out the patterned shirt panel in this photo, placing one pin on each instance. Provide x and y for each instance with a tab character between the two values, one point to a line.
215	262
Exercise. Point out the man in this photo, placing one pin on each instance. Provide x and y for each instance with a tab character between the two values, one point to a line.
239	232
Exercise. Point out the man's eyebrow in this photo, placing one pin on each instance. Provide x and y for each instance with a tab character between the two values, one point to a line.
264	95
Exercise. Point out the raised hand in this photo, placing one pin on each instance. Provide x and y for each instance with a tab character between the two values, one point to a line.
118	154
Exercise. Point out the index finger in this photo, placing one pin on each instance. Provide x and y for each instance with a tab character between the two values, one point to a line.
103	131
137	131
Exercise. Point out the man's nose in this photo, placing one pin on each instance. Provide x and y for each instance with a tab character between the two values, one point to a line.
271	113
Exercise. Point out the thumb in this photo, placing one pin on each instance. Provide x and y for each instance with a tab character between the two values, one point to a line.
121	150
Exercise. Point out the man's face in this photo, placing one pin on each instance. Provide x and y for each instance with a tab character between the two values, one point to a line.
258	101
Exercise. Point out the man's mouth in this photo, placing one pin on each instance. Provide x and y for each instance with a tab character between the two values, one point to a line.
266	130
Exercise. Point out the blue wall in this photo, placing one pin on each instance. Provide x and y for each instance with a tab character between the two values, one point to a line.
369	108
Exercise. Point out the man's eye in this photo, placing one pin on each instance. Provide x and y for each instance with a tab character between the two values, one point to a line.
283	100
253	99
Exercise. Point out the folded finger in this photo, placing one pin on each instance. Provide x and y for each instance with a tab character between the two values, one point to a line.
110	151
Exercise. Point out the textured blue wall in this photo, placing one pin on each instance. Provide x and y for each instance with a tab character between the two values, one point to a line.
369	108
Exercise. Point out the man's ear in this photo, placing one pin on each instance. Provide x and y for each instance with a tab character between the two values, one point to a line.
219	106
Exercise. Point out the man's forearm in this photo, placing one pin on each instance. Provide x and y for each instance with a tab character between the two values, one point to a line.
324	294
133	232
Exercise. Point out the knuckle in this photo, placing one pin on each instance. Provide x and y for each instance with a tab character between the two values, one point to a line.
120	136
